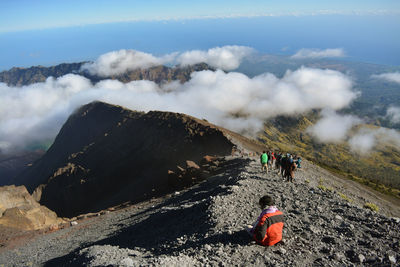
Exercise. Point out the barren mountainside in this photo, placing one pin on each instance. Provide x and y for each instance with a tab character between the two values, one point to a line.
105	155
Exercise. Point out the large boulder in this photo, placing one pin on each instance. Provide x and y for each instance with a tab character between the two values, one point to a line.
19	210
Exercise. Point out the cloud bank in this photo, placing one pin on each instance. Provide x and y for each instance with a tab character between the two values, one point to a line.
225	58
118	62
317	53
335	128
393	113
332	127
389	77
35	113
367	138
363	142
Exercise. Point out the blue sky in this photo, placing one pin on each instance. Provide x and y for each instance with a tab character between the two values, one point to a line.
17	15
49	32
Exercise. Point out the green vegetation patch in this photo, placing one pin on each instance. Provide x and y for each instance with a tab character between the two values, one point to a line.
343	196
371	206
323	187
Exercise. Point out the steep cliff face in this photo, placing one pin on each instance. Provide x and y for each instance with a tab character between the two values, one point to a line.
105	155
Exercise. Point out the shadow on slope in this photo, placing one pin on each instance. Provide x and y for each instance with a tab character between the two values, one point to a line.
184	215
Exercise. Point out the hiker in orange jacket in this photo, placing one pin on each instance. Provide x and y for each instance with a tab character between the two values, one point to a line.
267	230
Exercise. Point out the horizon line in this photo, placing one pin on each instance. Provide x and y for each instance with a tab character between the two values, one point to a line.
207	17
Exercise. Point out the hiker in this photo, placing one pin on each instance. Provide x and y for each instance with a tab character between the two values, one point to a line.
278	161
291	167
267	230
290	158
284	163
264	161
271	160
298	161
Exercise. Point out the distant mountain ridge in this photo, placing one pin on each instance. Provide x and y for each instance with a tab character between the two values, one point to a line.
158	74
25	76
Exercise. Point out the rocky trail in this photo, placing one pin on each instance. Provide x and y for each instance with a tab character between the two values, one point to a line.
325	225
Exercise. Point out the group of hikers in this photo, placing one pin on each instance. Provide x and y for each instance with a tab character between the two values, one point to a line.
285	164
267	230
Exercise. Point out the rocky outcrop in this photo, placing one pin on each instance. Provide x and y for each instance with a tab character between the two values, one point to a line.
19	210
105	155
193	173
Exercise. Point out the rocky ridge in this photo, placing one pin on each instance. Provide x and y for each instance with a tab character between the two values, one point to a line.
204	226
105	155
158	74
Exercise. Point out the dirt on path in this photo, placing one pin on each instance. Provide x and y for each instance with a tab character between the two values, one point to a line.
204	226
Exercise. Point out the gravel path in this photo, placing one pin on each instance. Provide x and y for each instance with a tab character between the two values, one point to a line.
204	226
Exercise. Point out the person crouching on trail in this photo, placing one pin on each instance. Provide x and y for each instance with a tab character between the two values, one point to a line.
267	230
264	161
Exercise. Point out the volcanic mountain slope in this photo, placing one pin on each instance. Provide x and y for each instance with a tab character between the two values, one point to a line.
105	155
13	163
158	74
325	225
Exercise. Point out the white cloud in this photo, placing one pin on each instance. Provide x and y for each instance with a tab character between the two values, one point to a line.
332	127
363	141
225	58
121	61
390	77
36	112
393	113
389	136
367	138
318	53
118	62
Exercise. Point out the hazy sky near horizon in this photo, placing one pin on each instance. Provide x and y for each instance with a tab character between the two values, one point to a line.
48	32
19	15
